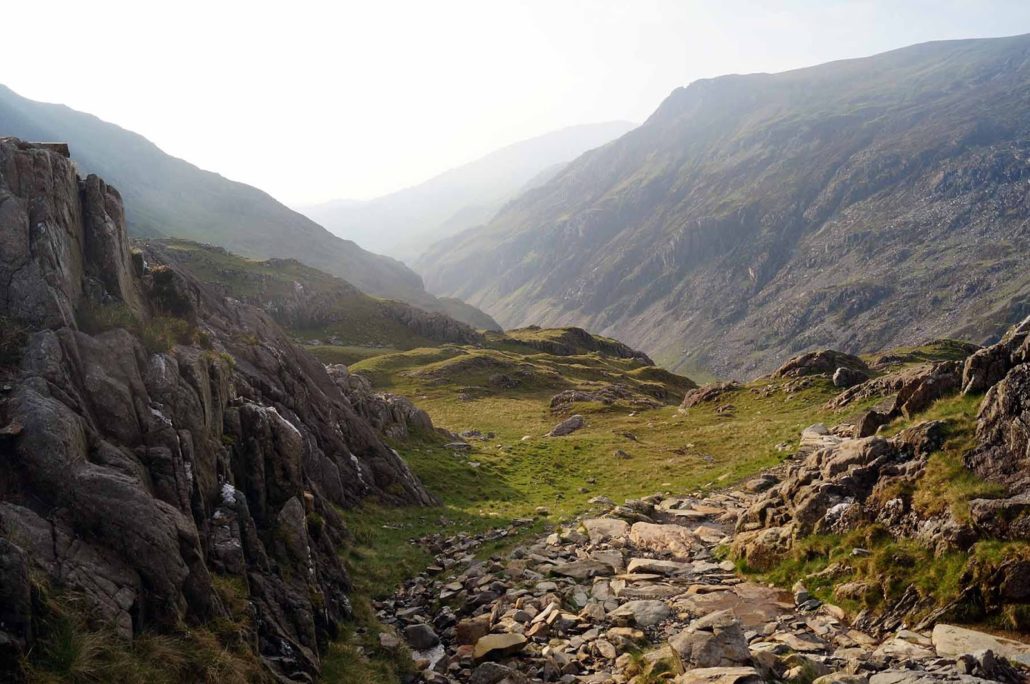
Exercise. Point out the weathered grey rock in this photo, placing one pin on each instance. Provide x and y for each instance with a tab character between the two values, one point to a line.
642	613
715	640
950	640
601	530
568	426
420	636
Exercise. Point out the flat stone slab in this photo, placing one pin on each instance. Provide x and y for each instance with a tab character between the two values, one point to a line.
654	566
753	604
601	530
582	569
676	540
950	641
720	675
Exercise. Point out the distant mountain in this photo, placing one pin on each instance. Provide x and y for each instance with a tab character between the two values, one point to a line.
168	196
859	205
404	223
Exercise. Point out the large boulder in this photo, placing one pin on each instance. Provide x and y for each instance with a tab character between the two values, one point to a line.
716	640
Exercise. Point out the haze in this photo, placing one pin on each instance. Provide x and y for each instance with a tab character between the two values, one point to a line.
315	101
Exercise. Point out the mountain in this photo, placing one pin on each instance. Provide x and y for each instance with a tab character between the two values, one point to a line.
168	196
402	224
859	204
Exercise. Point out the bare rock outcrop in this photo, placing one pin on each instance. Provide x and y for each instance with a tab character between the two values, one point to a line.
139	463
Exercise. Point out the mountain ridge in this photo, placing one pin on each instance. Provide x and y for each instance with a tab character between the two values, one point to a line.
752	217
404	222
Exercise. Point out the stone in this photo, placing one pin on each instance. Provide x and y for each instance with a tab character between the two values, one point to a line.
951	640
495	645
601	530
420	636
642	613
720	675
583	568
568	426
674	540
660	567
470	630
495	673
716	640
845	377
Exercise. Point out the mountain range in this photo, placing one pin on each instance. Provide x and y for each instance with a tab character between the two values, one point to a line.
166	196
404	223
858	204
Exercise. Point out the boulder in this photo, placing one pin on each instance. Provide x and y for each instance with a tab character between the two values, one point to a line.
951	641
823	362
1002	453
601	530
675	540
420	636
716	640
498	645
642	613
568	426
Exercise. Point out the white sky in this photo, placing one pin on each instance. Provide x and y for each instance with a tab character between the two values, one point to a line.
318	100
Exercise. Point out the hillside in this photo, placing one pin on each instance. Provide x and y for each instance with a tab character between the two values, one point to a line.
859	204
404	223
320	310
233	215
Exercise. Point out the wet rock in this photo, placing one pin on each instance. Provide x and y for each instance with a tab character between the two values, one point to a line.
420	636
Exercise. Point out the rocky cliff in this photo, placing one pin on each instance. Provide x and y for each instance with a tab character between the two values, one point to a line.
157	439
860	205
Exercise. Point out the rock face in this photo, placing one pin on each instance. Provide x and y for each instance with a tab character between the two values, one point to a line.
752	217
142	466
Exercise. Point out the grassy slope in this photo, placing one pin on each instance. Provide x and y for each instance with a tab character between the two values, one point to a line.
701	449
670	451
360	321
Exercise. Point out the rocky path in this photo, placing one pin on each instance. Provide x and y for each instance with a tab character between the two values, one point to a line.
640	595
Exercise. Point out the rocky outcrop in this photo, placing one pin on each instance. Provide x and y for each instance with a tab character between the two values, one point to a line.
707	393
574	341
392	415
823	362
144	462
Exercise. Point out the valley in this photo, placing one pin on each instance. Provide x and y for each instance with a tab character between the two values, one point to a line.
740	395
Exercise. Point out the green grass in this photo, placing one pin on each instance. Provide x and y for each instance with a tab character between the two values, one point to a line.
346	354
946	483
157	333
72	648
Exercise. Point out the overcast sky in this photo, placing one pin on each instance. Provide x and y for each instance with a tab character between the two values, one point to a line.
319	100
